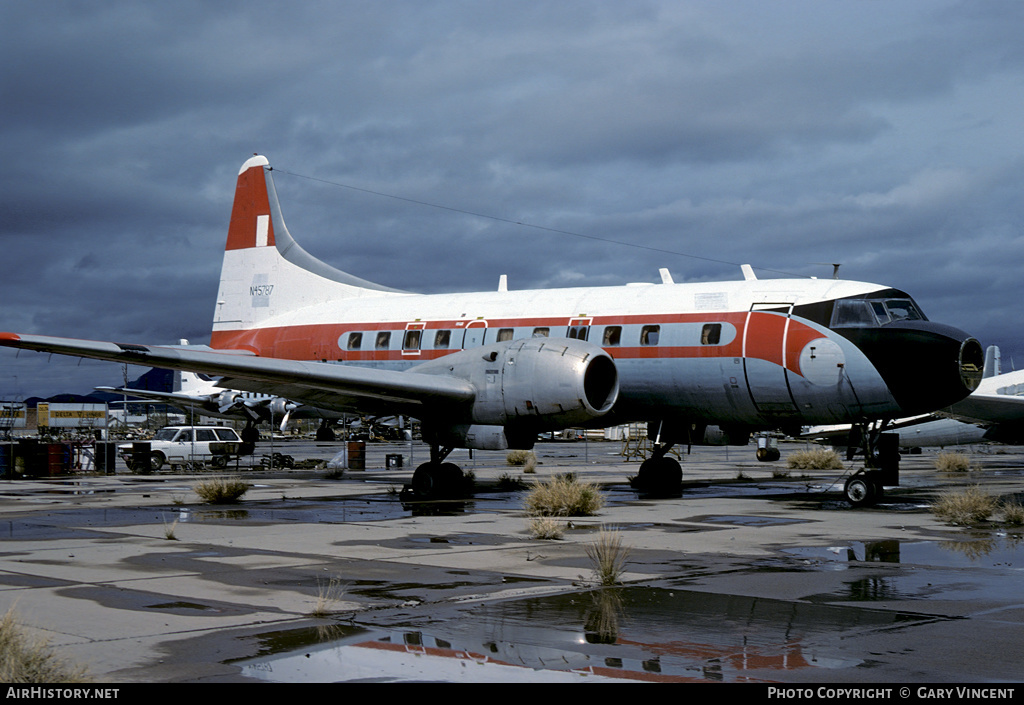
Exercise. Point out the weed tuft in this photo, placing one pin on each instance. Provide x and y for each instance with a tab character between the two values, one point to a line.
815	459
547	528
508	482
221	490
328	595
563	496
952	461
522	458
169	530
1013	512
964	507
608	556
24	659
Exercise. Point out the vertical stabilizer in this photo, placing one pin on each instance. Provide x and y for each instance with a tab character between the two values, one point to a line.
993	362
266	275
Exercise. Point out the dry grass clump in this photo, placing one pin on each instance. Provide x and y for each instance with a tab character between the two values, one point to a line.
25	659
328	596
964	507
547	528
1013	512
563	496
952	462
815	459
522	458
608	556
221	490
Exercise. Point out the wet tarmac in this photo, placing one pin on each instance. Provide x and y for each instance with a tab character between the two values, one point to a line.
752	576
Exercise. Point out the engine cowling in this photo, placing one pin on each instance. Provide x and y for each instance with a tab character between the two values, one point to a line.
531	385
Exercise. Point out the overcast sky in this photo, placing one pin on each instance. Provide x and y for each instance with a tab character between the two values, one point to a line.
885	136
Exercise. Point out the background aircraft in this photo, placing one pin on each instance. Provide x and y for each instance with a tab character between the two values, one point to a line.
198	394
491	370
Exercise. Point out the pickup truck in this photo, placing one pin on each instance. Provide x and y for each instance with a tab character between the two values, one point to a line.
179	445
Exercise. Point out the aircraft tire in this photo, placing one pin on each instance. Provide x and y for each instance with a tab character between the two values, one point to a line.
659	476
437	480
861	490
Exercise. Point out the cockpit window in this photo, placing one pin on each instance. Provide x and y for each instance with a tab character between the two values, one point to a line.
871	313
853	314
903	310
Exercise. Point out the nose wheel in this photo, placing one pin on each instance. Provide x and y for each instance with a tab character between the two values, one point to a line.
863	489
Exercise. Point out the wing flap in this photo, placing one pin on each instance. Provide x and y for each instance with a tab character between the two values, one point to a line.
325	384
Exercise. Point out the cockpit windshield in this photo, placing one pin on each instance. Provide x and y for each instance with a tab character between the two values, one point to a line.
871	313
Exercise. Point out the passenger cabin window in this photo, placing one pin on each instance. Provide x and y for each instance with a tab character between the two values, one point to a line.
383	340
711	334
612	336
541	332
442	339
505	334
205	434
355	341
412	338
649	335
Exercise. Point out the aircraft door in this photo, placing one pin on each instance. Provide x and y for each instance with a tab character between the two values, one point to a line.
474	334
764	359
579	328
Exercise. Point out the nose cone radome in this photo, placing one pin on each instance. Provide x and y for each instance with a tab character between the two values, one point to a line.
927	366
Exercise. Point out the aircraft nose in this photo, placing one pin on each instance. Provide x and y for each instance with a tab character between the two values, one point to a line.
927	366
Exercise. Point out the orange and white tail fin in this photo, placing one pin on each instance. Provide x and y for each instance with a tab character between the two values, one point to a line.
266	278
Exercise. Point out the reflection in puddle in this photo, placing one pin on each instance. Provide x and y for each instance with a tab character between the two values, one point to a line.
750	520
979	569
1004	550
634	634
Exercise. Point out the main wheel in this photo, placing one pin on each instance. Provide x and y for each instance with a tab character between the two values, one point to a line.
659	476
437	480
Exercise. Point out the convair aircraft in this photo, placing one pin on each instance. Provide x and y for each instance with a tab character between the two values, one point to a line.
491	370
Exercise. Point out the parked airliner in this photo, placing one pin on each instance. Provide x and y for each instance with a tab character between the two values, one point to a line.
491	370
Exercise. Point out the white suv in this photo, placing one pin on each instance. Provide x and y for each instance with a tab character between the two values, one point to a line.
179	445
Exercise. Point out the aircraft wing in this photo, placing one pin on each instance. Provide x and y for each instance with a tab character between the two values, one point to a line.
988	409
333	386
160	397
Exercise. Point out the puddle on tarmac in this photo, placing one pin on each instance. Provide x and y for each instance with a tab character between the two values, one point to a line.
993	551
626	634
979	569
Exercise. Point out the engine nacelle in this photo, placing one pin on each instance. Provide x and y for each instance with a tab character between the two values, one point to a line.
532	385
279	407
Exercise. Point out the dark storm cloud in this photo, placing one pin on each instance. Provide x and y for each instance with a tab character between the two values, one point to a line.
788	135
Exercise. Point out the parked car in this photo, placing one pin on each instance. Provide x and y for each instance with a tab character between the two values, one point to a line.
179	445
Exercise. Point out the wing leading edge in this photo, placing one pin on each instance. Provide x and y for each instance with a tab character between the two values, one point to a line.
324	384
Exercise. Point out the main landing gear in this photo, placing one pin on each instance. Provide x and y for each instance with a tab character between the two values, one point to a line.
659	475
437	479
324	433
